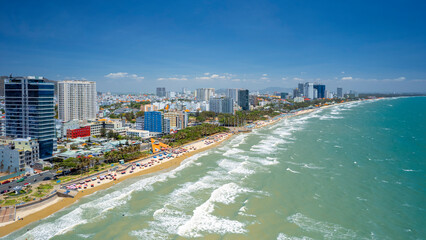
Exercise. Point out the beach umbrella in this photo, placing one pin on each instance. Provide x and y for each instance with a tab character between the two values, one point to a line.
58	181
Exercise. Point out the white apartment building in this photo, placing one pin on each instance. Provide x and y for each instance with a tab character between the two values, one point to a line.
138	133
204	94
77	100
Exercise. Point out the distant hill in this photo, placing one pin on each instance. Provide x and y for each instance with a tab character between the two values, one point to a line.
220	91
271	90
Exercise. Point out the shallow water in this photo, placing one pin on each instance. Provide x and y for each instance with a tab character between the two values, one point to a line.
355	171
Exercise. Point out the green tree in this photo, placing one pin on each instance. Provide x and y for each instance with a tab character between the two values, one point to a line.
103	132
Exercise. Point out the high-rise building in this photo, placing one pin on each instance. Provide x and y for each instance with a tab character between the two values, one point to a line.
284	95
309	90
204	94
77	100
320	90
215	105
339	92
228	105
243	99
222	105
177	120
301	90
166	126
161	92
30	111
140	123
253	100
153	121
232	93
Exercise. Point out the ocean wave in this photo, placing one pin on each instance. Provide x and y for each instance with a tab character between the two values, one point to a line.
237	141
288	169
268	145
311	166
328	230
283	236
232	151
202	220
411	170
265	161
93	209
328	117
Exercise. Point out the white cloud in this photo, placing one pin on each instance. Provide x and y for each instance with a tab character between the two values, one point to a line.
400	79
236	80
346	78
173	79
117	75
124	75
265	74
264	78
297	79
209	76
203	78
342	72
284	78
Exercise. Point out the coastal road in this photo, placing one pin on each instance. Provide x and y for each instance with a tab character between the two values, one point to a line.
30	179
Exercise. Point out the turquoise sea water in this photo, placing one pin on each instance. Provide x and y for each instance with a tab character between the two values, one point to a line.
355	171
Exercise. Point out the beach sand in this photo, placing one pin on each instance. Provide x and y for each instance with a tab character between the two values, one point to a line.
50	207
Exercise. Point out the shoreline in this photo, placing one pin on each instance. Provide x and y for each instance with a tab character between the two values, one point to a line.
32	215
45	210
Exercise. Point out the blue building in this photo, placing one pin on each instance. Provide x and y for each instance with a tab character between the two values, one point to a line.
30	111
153	121
320	90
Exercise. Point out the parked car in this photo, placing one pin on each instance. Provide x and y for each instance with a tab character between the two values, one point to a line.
46	178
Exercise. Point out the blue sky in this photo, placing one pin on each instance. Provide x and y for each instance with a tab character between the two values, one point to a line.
140	45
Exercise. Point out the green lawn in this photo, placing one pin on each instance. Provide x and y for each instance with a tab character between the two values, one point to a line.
10	202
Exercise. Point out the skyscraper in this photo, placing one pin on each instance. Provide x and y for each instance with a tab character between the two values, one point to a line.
204	94
283	95
301	91
161	92
222	105
232	93
153	121
340	92
309	90
30	111
243	99
77	100
320	90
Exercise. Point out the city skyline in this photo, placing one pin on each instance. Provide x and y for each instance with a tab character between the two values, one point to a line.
134	46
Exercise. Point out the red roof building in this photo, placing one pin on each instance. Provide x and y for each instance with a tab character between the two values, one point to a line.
79	132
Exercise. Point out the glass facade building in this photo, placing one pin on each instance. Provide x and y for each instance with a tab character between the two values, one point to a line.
320	90
30	111
243	99
153	121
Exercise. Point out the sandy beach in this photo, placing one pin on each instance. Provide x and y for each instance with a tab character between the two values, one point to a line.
46	209
50	207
